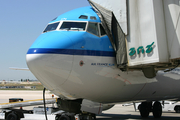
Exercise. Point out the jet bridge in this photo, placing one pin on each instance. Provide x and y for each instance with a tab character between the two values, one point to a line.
145	34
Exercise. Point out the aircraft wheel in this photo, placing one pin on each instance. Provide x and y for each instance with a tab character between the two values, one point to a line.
177	108
94	116
157	110
64	117
144	110
139	106
12	116
87	117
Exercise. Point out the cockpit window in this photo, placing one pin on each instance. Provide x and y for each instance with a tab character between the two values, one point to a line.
93	28
93	18
83	17
51	27
75	26
102	30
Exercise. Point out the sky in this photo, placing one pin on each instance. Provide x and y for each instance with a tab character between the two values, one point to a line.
21	22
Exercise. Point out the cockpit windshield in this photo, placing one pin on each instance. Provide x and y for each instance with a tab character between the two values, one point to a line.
51	27
74	26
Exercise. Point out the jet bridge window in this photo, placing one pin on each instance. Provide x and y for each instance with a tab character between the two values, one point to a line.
93	28
75	26
51	27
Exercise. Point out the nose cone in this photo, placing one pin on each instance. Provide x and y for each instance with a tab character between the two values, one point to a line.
47	61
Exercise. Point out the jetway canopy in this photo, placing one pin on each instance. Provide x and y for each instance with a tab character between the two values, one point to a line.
118	7
149	30
112	27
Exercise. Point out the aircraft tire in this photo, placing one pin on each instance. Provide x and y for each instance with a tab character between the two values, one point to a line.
64	117
157	109
12	116
177	108
94	116
144	110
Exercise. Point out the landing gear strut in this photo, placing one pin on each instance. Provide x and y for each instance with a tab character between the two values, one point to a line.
146	108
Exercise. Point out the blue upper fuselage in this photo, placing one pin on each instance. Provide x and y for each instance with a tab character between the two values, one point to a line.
77	32
74	15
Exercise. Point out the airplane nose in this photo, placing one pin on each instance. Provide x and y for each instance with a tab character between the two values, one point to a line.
53	40
47	61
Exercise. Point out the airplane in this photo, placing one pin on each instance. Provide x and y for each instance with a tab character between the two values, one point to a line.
74	59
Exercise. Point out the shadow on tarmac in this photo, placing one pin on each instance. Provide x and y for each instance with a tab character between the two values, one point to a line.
132	117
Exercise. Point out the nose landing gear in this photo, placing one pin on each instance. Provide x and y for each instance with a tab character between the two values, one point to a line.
71	116
147	107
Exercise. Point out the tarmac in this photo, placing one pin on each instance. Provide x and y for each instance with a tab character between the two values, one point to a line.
118	112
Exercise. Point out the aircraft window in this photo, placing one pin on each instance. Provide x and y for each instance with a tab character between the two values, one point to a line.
93	18
93	28
102	30
51	27
80	26
83	17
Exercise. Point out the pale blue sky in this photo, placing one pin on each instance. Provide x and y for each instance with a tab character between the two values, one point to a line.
21	22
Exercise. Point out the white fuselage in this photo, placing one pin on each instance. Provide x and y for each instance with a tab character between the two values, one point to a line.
98	79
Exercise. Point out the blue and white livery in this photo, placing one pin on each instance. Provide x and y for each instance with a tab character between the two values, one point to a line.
74	59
